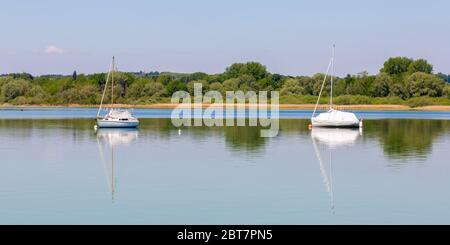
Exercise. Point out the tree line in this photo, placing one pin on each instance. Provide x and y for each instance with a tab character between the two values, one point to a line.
401	80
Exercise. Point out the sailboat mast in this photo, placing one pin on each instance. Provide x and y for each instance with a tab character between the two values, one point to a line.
112	82
332	75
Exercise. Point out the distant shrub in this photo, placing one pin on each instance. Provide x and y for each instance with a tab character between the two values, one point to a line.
15	88
447	91
390	100
36	92
136	90
84	95
216	86
20	100
352	100
423	84
301	99
420	101
292	87
155	89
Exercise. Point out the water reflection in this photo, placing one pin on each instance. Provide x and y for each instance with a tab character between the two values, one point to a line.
335	137
406	139
330	139
55	172
113	140
244	138
399	138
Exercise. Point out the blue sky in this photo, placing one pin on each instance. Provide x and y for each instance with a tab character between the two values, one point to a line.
288	36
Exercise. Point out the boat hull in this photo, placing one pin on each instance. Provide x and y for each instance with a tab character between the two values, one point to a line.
101	123
336	124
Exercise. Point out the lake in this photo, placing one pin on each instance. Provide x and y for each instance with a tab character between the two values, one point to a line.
55	169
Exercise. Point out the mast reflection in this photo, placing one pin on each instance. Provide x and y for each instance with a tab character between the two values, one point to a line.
111	139
330	139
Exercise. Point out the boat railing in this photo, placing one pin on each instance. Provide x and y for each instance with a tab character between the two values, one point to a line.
326	107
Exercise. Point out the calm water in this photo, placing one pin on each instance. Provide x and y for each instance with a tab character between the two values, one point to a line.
55	169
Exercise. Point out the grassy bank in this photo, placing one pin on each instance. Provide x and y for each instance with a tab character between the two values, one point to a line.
292	100
347	102
367	100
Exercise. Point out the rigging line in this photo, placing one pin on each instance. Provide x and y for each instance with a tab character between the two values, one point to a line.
104	90
102	158
327	179
323	172
321	88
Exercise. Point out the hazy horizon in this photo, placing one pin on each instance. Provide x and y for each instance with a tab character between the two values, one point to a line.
289	37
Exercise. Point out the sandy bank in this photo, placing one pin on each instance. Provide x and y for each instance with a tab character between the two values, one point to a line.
253	106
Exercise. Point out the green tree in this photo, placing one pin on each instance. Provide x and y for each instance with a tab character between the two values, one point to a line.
381	85
396	65
292	87
254	69
275	80
198	76
23	75
175	86
124	80
36	91
136	89
231	84
447	90
318	80
217	87
420	65
164	79
235	70
261	84
81	79
355	88
80	94
15	88
155	89
423	84
219	78
397	89
307	83
98	79
364	84
190	86
247	83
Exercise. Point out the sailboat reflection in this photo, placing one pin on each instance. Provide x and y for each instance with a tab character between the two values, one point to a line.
113	138
331	138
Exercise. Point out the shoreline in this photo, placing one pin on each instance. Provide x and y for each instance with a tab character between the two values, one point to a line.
251	106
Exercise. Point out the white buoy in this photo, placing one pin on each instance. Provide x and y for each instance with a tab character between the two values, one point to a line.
179	131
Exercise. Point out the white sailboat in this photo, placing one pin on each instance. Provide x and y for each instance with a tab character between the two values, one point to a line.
115	118
333	118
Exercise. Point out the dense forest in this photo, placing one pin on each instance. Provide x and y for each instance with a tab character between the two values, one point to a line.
401	80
